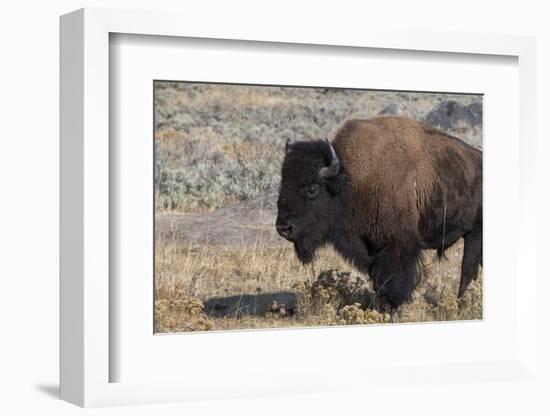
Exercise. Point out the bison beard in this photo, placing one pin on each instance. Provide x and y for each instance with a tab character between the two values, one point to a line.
386	189
305	251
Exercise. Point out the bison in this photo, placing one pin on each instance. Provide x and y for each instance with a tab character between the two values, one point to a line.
384	190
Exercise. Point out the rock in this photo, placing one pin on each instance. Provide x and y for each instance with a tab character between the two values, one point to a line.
396	110
449	115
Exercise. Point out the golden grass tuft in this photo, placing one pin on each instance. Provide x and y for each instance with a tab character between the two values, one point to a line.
181	314
356	315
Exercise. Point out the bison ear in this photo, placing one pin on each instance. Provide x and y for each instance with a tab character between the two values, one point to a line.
336	184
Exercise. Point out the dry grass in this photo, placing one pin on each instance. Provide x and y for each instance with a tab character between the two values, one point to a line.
328	293
224	96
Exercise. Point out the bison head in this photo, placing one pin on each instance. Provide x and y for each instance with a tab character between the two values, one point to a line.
310	197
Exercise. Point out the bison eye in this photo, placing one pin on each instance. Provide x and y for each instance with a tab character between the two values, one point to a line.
311	191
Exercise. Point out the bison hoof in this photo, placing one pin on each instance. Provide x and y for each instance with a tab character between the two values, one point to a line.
389	302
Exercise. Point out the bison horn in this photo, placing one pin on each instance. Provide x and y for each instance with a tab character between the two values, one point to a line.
287	146
331	170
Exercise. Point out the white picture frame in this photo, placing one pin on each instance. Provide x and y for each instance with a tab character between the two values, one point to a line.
86	356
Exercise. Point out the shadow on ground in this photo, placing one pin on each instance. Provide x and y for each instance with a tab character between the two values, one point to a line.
283	303
251	304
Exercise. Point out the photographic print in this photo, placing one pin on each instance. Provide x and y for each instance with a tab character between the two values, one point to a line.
285	206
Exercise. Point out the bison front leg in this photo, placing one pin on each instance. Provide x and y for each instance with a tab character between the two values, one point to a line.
471	259
394	274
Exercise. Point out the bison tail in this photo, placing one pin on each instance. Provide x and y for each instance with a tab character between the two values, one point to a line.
421	269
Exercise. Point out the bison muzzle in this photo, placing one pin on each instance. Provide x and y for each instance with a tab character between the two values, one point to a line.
384	190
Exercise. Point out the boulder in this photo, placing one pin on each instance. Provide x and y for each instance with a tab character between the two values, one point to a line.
449	115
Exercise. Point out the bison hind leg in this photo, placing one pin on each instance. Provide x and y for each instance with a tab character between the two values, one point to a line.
471	260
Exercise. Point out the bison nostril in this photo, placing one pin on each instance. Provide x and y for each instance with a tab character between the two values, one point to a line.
285	230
